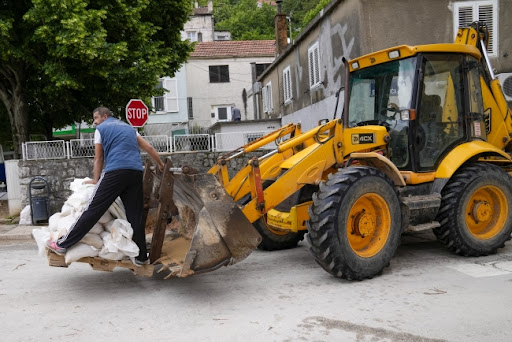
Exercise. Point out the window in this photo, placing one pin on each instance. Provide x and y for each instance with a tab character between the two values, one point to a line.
260	68
314	66
287	85
199	37
191	35
190	108
222	113
168	102
464	13
219	73
267	98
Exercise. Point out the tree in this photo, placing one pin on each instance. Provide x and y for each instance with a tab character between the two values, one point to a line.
62	58
245	20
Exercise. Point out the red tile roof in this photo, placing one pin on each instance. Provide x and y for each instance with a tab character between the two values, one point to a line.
233	48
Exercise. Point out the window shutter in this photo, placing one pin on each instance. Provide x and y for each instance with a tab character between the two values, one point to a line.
465	16
311	69
317	66
270	103
287	94
485	11
171	96
485	14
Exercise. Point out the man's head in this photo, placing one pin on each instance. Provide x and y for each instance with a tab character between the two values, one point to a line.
100	114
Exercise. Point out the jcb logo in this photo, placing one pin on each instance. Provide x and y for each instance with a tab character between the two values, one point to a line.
363	138
487	120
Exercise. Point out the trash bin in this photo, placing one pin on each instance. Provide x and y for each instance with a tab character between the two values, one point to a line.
39	203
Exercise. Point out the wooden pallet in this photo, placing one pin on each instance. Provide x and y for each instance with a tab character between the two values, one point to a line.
100	264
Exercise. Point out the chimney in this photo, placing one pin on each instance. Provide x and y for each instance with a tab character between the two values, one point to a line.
281	29
210	6
196	5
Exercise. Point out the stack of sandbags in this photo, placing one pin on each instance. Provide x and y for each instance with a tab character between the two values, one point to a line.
110	238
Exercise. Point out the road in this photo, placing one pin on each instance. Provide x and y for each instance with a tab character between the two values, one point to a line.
427	294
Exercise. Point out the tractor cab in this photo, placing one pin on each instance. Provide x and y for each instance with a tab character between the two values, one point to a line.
421	95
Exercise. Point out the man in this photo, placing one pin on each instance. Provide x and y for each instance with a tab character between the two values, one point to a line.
116	144
235	114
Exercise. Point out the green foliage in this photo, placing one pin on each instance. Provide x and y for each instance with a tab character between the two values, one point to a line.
313	12
70	56
245	20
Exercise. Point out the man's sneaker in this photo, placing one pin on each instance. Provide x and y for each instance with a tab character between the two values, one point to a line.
52	245
137	262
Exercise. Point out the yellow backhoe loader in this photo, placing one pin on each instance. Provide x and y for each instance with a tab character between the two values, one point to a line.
423	143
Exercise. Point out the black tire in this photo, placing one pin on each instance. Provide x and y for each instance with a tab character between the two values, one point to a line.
272	238
334	212
477	189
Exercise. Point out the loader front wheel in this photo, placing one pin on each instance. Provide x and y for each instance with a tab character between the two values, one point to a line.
476	210
355	223
273	239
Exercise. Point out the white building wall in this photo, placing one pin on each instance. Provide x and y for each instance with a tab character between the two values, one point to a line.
207	96
199	24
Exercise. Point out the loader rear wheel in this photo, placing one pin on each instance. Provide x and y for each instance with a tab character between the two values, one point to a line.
355	223
476	210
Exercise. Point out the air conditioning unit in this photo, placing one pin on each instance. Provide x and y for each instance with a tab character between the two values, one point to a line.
506	84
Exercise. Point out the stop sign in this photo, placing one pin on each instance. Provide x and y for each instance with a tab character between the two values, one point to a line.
136	113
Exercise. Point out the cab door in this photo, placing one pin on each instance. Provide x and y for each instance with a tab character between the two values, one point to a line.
440	108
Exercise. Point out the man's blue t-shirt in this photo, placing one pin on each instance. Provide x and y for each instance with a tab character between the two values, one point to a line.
120	148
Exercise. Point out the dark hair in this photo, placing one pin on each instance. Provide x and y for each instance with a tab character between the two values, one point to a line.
102	111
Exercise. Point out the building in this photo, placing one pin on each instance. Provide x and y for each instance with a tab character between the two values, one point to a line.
300	85
218	74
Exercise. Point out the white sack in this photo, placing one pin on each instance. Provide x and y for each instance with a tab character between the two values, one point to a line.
105	254
97	229
67	210
106	217
41	236
117	209
120	239
25	216
93	240
78	252
53	222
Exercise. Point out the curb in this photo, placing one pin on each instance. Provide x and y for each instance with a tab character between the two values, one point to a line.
18	233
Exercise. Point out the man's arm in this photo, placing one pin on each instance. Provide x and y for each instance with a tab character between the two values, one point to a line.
144	145
98	163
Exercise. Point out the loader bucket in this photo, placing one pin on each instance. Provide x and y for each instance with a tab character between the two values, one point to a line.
199	227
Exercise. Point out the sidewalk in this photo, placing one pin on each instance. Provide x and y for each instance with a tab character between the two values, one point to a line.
16	232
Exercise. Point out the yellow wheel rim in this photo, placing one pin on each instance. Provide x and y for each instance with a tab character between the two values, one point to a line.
486	212
274	230
369	224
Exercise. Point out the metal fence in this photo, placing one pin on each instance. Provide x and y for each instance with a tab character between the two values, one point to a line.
191	142
35	150
80	148
231	141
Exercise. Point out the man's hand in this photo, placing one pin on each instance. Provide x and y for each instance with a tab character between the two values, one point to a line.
90	181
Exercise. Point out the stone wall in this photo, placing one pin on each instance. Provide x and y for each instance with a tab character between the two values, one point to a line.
60	173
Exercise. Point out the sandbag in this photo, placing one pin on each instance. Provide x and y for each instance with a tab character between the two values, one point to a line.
106	217
93	240
105	254
97	229
25	216
41	236
78	252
